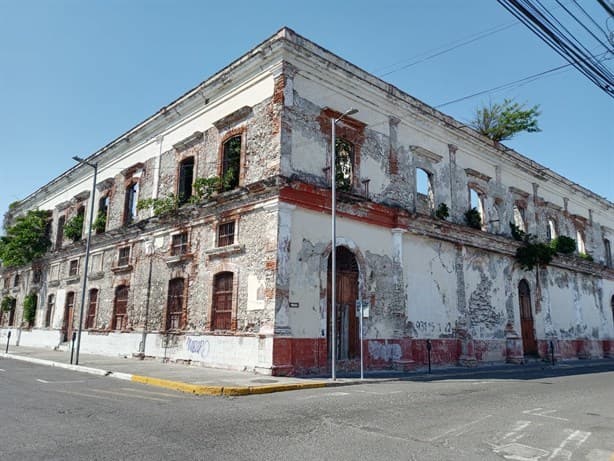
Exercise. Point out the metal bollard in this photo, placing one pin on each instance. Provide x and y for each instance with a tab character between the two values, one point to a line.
8	339
72	347
429	346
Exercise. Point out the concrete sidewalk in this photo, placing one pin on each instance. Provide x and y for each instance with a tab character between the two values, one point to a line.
200	380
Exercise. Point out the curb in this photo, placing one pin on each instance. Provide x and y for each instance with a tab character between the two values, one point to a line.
195	389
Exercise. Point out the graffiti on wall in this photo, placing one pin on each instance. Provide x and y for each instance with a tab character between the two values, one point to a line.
199	347
433	328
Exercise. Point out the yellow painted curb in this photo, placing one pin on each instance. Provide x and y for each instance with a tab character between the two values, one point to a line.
179	386
198	389
269	388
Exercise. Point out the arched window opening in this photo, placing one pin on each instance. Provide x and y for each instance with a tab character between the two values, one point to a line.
100	224
608	252
175	318
425	200
520	217
344	164
580	241
231	163
222	301
90	319
48	313
186	177
130	203
59	234
120	308
476	216
551	232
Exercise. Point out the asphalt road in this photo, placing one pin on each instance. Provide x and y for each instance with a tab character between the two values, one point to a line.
54	414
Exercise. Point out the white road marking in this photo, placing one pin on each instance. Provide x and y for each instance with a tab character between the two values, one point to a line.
520	452
377	393
515	434
319	396
575	439
99	397
459	429
58	382
2	369
543	413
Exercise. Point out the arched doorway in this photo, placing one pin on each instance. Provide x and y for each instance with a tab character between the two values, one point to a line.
347	330
529	343
612	306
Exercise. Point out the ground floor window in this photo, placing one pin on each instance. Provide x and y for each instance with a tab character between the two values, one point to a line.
120	308
222	301
175	318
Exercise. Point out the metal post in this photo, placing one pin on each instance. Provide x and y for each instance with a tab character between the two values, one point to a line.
333	253
72	347
144	335
8	339
87	254
362	366
552	351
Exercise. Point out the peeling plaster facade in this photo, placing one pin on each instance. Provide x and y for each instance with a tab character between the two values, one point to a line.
421	277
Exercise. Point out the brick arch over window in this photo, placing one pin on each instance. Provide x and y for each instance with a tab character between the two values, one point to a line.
231	158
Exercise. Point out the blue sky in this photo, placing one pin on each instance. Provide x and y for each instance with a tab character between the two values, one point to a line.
76	74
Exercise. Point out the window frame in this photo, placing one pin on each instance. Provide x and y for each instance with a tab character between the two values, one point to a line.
182	180
73	267
176	298
230	236
131	198
59	231
49	312
122	316
222	317
92	309
181	248
224	162
123	260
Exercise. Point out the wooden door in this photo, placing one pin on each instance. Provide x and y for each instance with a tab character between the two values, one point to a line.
222	301
529	343
67	323
346	323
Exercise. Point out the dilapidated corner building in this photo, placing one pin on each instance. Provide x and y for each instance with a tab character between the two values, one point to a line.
239	277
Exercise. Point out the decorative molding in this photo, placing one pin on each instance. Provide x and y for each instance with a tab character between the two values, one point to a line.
425	153
233	118
219	252
189	141
516	191
104	185
476	174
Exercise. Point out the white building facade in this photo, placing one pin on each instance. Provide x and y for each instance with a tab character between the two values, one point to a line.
240	278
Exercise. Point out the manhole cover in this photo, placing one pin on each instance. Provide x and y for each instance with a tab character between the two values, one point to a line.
264	381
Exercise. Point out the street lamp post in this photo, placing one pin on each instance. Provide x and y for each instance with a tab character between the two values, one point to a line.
333	254
87	252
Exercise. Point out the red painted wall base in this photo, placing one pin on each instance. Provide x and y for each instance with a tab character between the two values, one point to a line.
304	356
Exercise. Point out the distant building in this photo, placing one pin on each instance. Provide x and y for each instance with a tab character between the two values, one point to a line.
240	278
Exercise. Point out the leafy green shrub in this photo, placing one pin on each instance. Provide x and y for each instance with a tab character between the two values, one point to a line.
442	211
25	240
29	308
73	229
100	223
7	303
585	256
204	188
563	244
160	206
501	121
517	233
473	218
534	254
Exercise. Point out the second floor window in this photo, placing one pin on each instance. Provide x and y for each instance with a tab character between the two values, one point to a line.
132	192
186	177
123	256
344	164
16	280
100	224
231	163
608	252
73	268
179	244
59	235
226	234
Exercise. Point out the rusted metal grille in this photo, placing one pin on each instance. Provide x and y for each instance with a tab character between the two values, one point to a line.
120	307
222	301
174	310
226	234
180	244
90	320
123	258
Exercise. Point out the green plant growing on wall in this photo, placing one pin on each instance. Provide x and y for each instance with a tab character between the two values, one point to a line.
473	218
518	234
204	188
501	121
25	240
73	229
442	211
534	254
7	303
161	205
29	308
585	256
100	223
563	244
